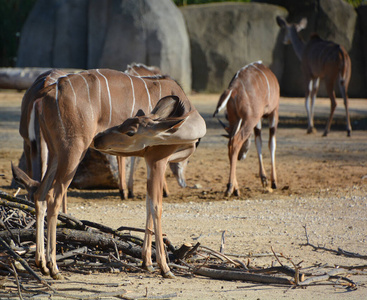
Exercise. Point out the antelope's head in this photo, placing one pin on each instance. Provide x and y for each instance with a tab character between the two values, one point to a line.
135	134
290	27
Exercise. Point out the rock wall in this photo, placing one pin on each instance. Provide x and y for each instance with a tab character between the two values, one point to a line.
226	36
106	34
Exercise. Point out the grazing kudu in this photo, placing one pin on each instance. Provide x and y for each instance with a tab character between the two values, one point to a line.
178	169
69	114
252	94
168	133
320	59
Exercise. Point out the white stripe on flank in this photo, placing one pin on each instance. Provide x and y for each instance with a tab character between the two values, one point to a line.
132	87
31	129
224	103
89	100
109	95
72	89
146	88
266	78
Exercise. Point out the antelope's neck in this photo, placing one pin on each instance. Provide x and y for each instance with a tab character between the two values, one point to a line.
297	43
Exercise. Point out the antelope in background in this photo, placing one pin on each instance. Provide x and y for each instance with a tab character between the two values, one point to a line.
70	113
252	94
320	59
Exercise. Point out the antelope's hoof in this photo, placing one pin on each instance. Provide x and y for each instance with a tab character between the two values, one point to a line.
165	194
264	182
168	274
57	276
150	269
130	195
325	134
349	134
236	192
122	195
311	130
45	271
273	185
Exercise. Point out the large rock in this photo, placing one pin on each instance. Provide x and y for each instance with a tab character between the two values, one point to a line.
55	35
226	36
106	34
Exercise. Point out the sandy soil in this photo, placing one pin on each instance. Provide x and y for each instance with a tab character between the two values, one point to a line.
322	184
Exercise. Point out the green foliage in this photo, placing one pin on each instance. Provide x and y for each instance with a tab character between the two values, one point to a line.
13	14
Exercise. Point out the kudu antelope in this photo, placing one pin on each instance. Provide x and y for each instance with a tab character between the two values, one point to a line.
168	133
69	114
320	59
252	94
178	168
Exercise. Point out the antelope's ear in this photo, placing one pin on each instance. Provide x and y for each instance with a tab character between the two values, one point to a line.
23	179
169	125
302	24
280	21
140	113
169	106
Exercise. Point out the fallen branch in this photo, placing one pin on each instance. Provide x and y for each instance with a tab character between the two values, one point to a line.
337	252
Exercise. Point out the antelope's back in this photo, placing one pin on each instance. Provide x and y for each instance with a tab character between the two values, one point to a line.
102	98
258	87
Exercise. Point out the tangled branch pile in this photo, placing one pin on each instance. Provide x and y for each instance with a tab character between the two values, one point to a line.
87	247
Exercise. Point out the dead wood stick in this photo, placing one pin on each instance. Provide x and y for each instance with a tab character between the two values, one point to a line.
250	255
130	229
17	281
15	199
71	253
243	276
28	206
338	252
98	240
331	274
220	255
23	263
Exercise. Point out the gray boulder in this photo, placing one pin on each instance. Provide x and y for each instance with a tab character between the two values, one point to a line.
106	34
226	36
55	35
150	32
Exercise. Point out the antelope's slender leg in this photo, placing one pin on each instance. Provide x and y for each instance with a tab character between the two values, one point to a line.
156	165
310	127
273	121
343	91
330	90
258	142
234	146
315	88
65	171
41	197
121	163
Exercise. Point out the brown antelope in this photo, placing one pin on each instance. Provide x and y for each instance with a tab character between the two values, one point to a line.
252	94
320	59
70	113
178	169
168	133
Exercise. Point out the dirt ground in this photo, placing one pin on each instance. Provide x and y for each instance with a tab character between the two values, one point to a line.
322	183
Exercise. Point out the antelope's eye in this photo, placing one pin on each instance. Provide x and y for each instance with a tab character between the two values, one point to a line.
130	133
